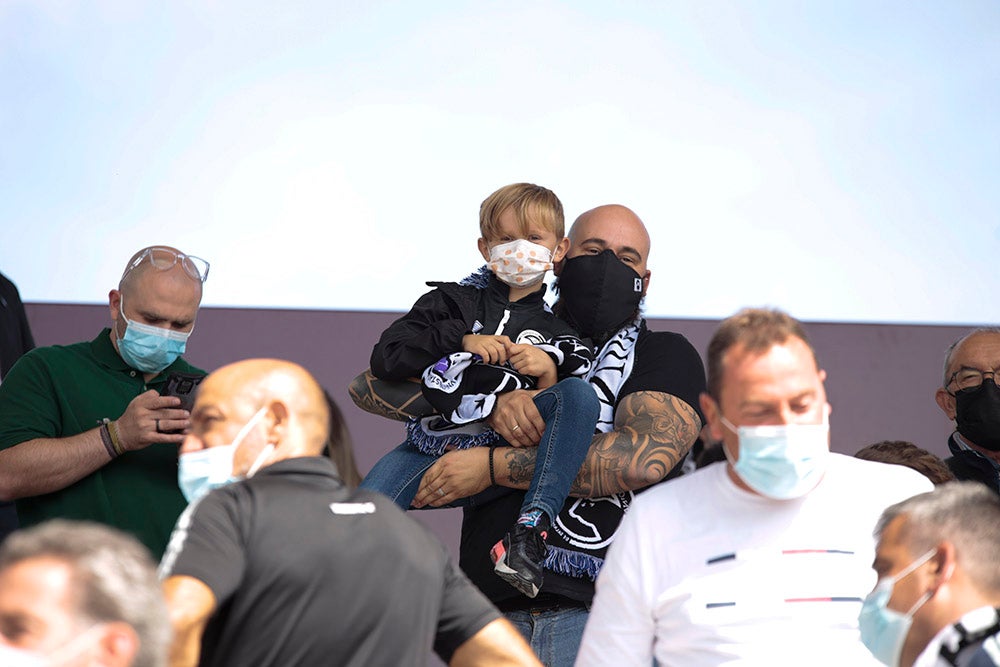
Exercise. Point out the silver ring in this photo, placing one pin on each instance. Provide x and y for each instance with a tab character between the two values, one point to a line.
441	492
515	427
158	426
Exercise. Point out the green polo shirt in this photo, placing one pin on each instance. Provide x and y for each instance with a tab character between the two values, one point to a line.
64	390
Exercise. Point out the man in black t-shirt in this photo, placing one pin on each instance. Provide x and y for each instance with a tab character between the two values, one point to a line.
648	384
288	567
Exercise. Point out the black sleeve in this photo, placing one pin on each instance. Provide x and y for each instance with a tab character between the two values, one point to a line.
207	544
667	362
432	329
464	612
15	333
572	357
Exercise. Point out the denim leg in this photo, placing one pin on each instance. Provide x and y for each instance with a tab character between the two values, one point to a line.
554	635
570	409
398	474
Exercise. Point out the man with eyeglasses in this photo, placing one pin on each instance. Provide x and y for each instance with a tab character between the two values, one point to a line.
970	397
84	431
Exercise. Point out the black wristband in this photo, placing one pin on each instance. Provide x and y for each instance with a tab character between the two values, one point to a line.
493	479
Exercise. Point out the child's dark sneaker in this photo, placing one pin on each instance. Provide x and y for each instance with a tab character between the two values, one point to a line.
518	558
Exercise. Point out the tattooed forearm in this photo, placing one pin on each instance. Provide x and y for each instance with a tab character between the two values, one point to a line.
521	466
653	432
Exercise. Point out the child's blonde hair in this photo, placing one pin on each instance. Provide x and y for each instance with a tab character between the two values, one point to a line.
531	203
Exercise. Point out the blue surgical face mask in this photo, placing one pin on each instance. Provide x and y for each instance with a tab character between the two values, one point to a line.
147	348
781	461
884	630
200	472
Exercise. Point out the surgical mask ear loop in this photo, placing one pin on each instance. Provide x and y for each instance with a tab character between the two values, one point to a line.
242	434
909	570
259	461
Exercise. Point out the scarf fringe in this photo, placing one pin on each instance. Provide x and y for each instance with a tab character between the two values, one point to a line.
480	279
437	445
573	563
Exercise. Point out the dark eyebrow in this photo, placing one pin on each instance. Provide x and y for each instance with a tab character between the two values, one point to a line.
156	317
633	251
604	244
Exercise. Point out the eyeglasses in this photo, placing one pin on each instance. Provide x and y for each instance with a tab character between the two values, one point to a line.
971	378
165	258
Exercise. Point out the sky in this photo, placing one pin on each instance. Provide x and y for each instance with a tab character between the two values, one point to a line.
839	160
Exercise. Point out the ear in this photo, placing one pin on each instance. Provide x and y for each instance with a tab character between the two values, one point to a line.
710	409
645	281
118	646
945	561
484	249
946	402
278	428
560	250
114	304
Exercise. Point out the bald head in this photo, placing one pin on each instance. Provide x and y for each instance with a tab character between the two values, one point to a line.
165	261
295	418
615	224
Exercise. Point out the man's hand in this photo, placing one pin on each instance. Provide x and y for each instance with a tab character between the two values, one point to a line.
146	418
515	417
460	473
493	349
529	360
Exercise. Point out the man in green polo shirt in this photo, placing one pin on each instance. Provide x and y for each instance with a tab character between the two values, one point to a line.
84	431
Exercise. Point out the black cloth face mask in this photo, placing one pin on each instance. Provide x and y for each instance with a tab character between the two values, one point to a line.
599	293
977	414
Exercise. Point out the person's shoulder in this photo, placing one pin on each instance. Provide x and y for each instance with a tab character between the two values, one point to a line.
54	355
697	483
667	340
889	478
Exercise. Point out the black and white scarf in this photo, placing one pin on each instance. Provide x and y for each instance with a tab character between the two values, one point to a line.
583	530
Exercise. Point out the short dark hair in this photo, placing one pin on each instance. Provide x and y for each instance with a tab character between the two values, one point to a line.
757	330
901	452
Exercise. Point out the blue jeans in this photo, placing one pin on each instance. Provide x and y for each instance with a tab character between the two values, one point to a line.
553	634
569	408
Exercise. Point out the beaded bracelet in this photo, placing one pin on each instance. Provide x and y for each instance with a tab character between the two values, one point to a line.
493	479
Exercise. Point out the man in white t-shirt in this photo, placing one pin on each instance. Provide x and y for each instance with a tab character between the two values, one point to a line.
763	559
937	602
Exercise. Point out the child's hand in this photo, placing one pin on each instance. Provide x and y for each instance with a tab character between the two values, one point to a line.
491	348
529	360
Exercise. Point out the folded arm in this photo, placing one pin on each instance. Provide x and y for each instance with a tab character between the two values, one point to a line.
44	465
653	432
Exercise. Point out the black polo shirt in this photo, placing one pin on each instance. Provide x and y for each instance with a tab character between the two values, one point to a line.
306	572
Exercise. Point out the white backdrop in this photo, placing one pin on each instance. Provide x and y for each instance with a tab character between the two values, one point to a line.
837	159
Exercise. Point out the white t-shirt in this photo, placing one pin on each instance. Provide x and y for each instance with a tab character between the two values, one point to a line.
705	573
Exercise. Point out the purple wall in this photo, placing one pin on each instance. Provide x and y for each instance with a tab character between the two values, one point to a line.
881	378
